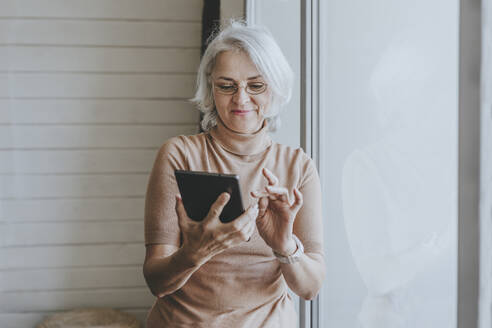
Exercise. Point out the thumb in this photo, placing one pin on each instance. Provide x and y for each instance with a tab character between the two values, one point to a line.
298	201
217	207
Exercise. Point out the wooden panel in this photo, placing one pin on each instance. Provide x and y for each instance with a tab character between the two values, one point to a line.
55	136
97	86
66	300
77	161
41	186
112	9
26	58
100	33
94	88
23	320
69	233
71	256
71	209
72	278
42	111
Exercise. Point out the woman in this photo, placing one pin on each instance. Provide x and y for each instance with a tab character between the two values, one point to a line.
213	274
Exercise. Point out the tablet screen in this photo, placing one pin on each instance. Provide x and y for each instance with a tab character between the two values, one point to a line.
199	190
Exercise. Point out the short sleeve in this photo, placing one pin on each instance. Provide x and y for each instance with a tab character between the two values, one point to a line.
161	222
308	225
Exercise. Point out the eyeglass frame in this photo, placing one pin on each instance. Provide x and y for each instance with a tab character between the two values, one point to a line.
236	87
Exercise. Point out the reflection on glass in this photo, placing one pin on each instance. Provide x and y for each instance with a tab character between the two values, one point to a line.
389	165
398	198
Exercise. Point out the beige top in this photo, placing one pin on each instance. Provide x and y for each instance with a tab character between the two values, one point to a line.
242	286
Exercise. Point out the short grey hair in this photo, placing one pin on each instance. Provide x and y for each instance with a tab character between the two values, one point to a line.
264	52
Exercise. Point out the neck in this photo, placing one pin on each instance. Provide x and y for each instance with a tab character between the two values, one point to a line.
241	143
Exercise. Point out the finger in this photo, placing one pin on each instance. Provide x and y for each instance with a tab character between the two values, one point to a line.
237	236
251	230
180	211
271	195
217	207
272	179
249	215
245	233
258	194
280	193
298	200
262	206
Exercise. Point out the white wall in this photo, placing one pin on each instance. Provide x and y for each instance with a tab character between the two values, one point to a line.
231	9
88	92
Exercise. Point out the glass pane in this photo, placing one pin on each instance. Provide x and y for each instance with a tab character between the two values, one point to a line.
389	113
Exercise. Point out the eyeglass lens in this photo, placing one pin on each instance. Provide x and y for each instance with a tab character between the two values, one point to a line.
253	88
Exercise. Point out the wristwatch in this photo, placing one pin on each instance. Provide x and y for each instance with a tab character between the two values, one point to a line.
294	257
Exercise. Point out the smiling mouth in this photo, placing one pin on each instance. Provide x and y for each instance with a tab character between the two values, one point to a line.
240	112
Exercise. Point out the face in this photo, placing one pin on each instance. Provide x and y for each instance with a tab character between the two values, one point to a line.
241	112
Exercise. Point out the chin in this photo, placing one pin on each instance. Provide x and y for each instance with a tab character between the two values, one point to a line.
250	128
242	123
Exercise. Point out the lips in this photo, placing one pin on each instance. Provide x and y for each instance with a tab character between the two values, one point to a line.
240	111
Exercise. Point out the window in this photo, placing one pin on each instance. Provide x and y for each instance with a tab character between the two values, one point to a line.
385	88
388	161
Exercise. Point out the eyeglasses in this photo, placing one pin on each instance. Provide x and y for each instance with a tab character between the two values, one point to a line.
227	88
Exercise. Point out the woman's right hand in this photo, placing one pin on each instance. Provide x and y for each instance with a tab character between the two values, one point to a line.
209	237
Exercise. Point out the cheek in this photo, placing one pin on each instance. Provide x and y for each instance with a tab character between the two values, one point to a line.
264	104
220	103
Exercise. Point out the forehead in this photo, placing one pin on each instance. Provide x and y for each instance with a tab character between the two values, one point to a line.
234	64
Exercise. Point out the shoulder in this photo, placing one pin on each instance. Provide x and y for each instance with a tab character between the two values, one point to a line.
182	144
294	155
295	160
176	150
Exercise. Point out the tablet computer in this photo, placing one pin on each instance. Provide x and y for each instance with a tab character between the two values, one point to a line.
199	190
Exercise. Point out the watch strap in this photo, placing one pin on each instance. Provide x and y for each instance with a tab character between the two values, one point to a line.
294	257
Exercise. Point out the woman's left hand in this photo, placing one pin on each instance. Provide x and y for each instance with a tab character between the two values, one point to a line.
276	215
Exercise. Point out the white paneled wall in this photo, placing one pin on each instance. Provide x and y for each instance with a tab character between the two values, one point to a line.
89	90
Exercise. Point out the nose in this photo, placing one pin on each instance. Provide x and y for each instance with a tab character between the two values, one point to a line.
241	97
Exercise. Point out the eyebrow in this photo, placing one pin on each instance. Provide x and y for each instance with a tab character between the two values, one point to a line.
229	79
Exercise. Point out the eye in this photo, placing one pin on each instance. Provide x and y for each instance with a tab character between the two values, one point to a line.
256	86
225	87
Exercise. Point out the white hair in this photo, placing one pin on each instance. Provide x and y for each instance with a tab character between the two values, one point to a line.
259	45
